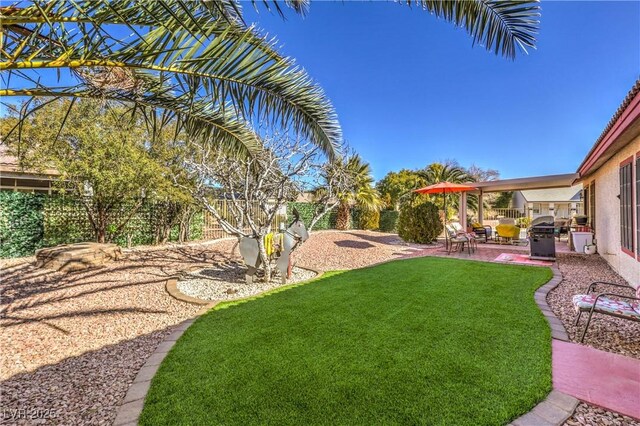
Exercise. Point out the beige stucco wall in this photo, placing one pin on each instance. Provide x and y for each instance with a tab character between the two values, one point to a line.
608	215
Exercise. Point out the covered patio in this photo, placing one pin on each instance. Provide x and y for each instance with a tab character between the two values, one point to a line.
511	185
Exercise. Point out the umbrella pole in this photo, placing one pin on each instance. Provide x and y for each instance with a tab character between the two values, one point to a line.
444	219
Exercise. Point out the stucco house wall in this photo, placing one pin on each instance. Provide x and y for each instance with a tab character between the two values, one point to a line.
607	229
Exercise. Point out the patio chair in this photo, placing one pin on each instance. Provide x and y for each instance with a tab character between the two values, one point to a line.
482	231
458	238
507	232
602	303
561	227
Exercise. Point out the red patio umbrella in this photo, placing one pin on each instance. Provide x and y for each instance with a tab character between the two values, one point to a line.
445	188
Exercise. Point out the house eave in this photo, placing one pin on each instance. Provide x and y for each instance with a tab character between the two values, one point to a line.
623	127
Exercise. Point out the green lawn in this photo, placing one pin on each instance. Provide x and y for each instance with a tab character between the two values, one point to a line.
419	341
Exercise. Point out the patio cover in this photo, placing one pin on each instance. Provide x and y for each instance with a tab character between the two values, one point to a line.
535	182
519	184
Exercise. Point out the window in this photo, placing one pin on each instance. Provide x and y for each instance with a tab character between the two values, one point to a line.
536	208
592	204
638	204
626	206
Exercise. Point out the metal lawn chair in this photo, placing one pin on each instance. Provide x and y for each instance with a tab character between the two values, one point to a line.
602	303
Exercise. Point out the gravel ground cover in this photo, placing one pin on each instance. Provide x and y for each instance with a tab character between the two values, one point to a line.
605	332
333	250
227	282
72	343
586	414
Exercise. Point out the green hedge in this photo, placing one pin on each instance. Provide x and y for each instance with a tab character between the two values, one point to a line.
65	221
389	220
21	223
31	221
306	211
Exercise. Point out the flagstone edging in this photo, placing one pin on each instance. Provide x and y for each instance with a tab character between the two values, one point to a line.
131	407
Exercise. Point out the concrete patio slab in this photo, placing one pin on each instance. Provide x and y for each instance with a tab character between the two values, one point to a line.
601	378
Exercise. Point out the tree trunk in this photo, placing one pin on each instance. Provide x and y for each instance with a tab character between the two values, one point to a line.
265	259
342	219
184	227
101	228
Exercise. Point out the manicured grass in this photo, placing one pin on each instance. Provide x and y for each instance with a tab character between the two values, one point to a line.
420	341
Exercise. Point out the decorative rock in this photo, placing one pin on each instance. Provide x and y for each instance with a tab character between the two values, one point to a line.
77	257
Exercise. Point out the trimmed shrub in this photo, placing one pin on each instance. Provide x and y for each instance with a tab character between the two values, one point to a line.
21	223
419	223
389	221
368	219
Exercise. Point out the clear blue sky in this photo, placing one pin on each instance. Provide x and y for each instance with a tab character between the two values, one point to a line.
410	89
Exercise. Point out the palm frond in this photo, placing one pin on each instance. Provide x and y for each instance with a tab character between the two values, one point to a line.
201	121
194	51
503	26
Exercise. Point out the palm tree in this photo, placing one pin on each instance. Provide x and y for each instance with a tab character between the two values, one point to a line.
447	172
200	61
359	191
197	60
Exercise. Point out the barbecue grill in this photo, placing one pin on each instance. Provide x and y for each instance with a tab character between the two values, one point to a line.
541	237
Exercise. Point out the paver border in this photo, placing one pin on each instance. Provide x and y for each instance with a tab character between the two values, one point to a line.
171	286
553	411
558	406
129	410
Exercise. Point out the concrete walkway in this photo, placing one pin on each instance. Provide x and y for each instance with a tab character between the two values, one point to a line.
601	378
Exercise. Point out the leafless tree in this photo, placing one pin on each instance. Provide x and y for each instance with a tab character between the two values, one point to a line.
257	188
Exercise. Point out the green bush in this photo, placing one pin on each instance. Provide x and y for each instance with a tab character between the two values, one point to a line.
523	222
366	219
419	223
196	228
389	221
306	211
21	223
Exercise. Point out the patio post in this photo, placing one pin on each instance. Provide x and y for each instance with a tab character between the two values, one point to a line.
462	210
480	208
